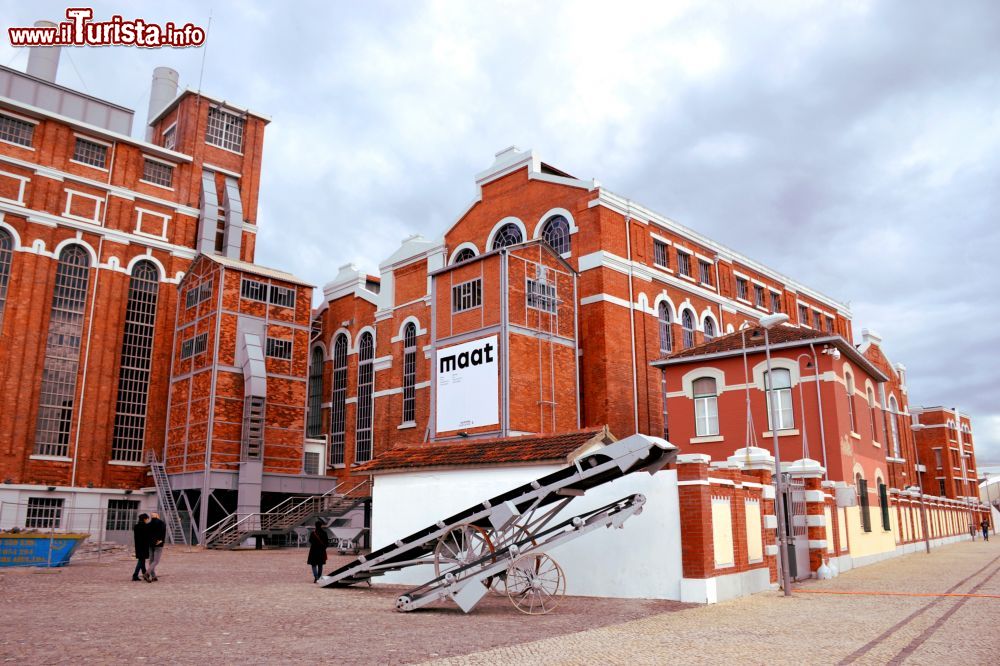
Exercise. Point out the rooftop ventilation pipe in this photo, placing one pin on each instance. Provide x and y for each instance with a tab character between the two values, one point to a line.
43	61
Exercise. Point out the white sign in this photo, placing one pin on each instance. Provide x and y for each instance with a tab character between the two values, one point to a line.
467	385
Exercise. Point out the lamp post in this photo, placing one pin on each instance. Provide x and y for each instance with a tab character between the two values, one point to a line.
920	487
767	323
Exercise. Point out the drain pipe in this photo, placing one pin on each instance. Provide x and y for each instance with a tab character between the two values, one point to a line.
819	405
631	316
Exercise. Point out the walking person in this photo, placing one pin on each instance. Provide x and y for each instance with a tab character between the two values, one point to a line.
140	537
318	543
157	537
986	529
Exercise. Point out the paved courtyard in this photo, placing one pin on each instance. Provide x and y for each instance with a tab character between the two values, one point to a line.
260	606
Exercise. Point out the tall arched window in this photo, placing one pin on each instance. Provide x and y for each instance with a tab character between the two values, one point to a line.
6	254
893	426
849	388
464	254
863	503
779	399
706	407
663	319
871	413
62	353
338	401
556	233
136	361
366	381
409	373
314	421
687	323
508	234
709	329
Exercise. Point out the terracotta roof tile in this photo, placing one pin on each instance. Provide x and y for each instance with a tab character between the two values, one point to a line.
734	341
467	452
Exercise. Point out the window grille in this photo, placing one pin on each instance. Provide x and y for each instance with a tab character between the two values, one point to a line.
508	234
758	296
187	348
225	129
6	257
16	131
883	504
803	315
704	272
706	407
684	263
198	294
779	399
409	373
200	343
129	434
88	152
44	513
158	173
283	297
122	515
62	353
663	321
338	406
709	330
660	256
687	323
254	290
741	289
170	138
314	423
467	295
775	302
849	388
464	254
366	377
278	348
541	295
311	463
556	234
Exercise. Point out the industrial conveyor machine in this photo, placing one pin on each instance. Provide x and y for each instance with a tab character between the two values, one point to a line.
498	544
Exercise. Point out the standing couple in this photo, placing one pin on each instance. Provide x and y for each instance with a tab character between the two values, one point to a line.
149	536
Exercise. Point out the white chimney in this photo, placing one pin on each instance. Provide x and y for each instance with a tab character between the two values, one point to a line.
162	92
43	61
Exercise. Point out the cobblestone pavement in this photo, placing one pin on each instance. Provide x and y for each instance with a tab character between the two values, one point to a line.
214	607
833	629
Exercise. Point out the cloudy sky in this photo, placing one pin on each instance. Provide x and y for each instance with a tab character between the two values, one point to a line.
852	145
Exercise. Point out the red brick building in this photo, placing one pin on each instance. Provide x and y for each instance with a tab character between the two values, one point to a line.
945	444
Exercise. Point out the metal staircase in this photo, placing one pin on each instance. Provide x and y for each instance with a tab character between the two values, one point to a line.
235	528
175	530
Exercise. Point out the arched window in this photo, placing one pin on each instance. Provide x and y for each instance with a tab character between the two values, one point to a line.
779	399
129	436
338	401
709	329
871	413
314	422
464	254
849	388
556	234
409	373
706	407
893	426
6	254
508	234
62	353
663	318
366	381
687	323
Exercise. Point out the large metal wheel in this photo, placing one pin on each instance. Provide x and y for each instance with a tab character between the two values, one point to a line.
534	583
502	538
461	545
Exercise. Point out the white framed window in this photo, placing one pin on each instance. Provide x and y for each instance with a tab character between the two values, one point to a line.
706	407
122	515
44	513
338	401
467	295
741	289
90	153
253	290
893	426
409	373
278	348
282	297
704	272
803	315
849	389
170	138
556	234
664	324
660	255
541	295
310	464
16	131
225	129
508	234
684	263
758	296
158	173
366	383
464	254
779	399
314	416
775	302
687	324
709	329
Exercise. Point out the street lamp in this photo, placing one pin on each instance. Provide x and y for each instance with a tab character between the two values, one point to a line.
920	484
767	323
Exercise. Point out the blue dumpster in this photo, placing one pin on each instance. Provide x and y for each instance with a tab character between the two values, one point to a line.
38	550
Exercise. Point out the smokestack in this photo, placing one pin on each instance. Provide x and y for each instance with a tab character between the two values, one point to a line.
163	91
43	61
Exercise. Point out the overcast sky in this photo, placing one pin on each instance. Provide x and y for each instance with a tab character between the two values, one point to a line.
854	146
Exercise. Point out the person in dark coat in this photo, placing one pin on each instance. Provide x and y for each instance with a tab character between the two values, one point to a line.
318	543
986	528
140	536
157	537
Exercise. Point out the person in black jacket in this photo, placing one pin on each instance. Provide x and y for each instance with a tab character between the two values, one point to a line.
140	536
318	543
157	537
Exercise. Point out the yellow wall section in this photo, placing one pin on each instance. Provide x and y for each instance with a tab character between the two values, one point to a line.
842	527
868	543
829	529
755	547
722	531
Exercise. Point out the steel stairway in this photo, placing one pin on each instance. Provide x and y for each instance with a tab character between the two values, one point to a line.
165	497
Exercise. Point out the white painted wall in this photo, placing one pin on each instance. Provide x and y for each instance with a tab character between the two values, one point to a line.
84	509
642	560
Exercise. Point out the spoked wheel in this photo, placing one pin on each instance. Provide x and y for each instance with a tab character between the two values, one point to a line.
501	539
461	545
534	583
